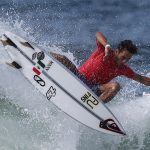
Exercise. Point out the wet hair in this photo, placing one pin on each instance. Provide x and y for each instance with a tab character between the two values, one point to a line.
127	45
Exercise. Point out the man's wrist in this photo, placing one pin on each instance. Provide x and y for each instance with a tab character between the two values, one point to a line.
107	46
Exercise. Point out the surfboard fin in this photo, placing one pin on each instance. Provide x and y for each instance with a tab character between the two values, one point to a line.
14	64
27	44
8	42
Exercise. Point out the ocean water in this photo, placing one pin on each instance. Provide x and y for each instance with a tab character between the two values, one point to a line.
27	120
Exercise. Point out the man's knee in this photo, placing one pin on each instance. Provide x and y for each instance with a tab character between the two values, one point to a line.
116	86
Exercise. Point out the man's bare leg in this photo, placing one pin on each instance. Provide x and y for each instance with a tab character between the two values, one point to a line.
109	90
65	61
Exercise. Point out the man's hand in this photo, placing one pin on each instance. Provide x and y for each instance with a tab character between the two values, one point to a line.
142	79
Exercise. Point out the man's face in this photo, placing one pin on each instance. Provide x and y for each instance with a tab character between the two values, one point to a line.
122	57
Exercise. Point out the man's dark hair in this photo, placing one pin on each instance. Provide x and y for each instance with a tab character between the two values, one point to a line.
128	45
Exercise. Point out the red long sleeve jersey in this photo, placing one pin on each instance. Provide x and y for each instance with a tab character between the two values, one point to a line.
98	71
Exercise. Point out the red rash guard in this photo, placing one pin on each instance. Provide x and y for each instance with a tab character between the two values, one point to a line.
98	71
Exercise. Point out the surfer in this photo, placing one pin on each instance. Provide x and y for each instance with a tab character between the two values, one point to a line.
104	65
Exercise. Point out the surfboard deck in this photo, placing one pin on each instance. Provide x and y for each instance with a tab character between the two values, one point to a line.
60	86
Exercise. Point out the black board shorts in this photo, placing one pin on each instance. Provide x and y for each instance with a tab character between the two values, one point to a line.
94	87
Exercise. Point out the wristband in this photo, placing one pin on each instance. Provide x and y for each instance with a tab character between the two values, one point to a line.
107	46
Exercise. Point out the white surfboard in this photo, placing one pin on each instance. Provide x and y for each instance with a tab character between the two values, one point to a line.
60	86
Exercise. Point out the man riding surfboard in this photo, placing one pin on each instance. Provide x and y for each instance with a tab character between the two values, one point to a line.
105	64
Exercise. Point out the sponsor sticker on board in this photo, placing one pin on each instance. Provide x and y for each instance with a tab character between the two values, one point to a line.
51	93
90	100
48	66
38	68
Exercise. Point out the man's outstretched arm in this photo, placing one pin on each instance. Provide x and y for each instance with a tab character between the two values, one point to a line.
101	38
142	79
103	41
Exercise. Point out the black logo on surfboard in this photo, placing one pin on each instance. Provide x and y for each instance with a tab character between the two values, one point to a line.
39	55
110	125
39	80
51	93
34	55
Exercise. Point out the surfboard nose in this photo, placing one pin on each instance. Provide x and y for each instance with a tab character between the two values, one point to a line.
111	125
